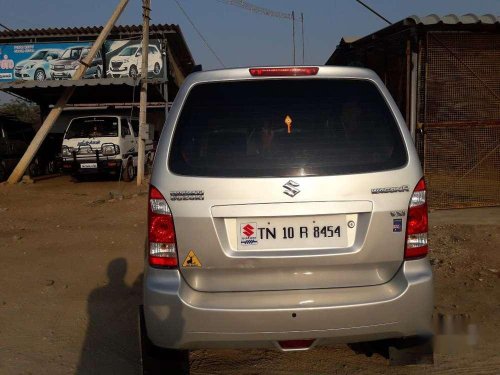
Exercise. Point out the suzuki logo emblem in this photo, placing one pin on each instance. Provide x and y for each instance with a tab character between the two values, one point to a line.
248	230
291	188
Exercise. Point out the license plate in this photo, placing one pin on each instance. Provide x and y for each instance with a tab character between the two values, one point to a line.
88	165
301	232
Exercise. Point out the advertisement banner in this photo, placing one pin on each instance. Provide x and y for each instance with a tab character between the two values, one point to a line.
52	61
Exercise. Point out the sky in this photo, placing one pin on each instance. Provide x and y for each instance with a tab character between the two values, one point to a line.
240	37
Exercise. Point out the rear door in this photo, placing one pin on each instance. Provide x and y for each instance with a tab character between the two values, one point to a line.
270	185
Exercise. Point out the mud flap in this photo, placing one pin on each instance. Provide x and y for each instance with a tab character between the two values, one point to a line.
156	360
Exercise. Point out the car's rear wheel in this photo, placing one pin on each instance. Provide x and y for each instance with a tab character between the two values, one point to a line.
40	75
129	172
156	360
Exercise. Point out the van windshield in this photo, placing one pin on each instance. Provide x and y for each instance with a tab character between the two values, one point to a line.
93	127
290	127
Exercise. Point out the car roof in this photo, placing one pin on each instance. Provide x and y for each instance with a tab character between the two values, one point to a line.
243	73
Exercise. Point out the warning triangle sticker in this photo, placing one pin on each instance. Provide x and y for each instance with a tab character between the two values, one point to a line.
191	260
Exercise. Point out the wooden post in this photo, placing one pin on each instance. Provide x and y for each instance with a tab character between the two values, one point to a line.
28	156
146	8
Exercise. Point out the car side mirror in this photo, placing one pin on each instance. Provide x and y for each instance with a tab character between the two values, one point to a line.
48	58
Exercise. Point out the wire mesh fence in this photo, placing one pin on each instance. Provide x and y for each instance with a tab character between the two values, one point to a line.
462	165
459	96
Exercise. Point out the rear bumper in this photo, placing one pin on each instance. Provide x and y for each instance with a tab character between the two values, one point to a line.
179	317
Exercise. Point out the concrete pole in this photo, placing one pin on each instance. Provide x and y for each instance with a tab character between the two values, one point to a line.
52	117
146	8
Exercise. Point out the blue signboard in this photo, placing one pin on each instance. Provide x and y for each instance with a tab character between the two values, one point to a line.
49	61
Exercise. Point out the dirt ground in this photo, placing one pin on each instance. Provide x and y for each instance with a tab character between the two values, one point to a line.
70	274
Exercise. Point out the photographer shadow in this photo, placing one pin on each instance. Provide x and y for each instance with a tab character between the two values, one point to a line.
111	344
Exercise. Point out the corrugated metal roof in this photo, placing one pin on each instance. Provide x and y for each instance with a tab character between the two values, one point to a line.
69	83
453	19
85	31
95	90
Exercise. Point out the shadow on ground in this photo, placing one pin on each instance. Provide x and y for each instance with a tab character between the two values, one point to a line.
111	344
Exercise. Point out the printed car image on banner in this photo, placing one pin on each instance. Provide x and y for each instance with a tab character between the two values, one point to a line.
51	61
124	59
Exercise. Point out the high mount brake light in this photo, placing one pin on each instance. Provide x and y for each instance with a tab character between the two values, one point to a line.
161	232
417	224
283	72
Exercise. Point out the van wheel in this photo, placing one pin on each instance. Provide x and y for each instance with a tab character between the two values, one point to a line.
128	172
40	75
133	71
156	360
51	167
33	169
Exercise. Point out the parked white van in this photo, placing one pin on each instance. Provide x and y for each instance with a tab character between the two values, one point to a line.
104	144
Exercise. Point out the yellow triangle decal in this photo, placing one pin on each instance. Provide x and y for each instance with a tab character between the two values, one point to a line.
191	260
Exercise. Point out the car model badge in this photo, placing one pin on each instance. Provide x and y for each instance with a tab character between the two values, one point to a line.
291	188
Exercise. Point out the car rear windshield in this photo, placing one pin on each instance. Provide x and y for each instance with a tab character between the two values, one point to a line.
93	127
278	128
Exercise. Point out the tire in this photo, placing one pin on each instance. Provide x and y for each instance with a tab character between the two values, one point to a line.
51	167
132	72
157	69
98	72
33	169
156	360
40	75
128	172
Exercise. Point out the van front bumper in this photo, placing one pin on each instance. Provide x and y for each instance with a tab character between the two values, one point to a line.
101	166
180	317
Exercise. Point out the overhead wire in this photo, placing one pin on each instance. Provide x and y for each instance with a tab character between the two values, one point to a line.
199	33
374	12
257	9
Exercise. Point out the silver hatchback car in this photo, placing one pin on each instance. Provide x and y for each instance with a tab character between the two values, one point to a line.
287	209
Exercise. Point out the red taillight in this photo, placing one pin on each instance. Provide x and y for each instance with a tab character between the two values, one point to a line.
285	71
417	224
161	232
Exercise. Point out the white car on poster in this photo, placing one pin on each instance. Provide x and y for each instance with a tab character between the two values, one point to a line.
129	61
37	66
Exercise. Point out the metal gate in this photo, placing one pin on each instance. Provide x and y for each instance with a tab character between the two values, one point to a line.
460	116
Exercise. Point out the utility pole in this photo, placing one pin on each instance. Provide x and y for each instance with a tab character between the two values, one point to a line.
141	157
303	42
52	117
293	35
